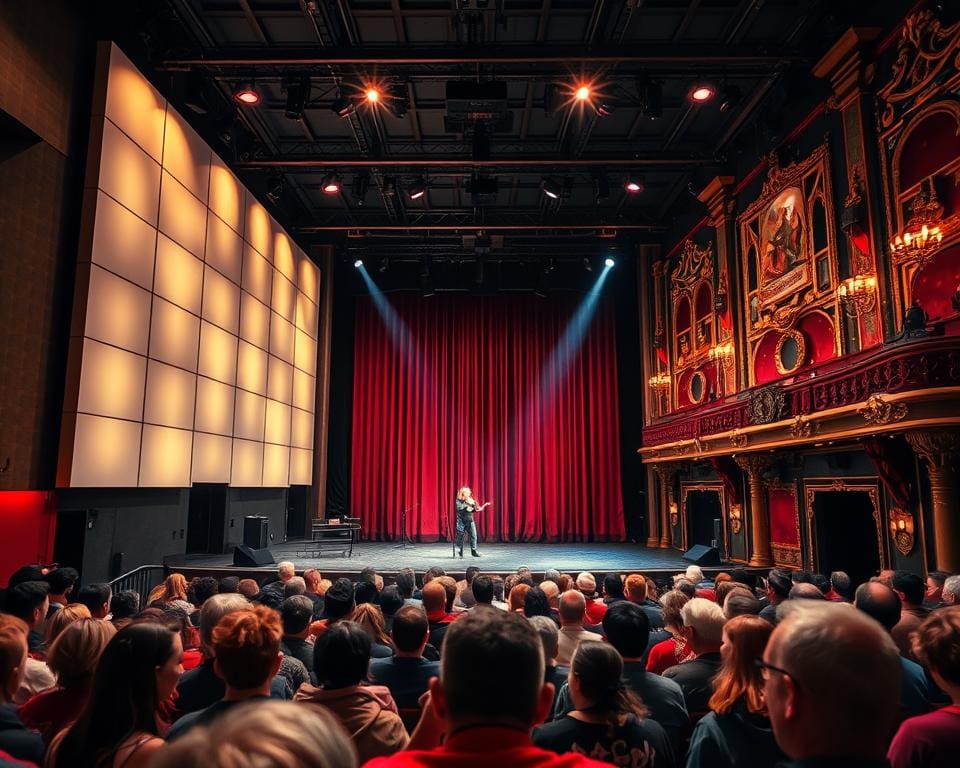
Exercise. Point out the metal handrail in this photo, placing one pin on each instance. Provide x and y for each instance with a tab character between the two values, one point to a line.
141	580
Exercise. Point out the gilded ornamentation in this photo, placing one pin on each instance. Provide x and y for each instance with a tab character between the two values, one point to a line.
791	352
802	428
738	439
767	405
901	529
696	264
879	411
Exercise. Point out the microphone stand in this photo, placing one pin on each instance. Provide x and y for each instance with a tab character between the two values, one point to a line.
405	542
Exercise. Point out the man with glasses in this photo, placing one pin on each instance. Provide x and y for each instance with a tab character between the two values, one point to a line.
832	680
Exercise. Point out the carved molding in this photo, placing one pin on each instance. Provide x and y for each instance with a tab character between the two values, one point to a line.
802	427
753	464
767	405
696	264
940	448
738	439
878	411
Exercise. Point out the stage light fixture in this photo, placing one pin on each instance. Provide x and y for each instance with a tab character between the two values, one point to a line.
606	108
730	97
417	189
582	93
649	97
342	106
298	93
633	185
330	184
551	188
358	263
247	94
609	262
701	93
372	95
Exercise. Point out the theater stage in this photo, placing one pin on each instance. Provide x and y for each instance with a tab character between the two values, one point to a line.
496	558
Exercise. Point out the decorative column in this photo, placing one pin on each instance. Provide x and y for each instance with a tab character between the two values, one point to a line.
940	451
667	474
754	464
660	395
317	508
653	514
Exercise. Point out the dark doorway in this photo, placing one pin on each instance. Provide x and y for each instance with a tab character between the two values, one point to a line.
206	518
703	507
69	537
297	498
846	534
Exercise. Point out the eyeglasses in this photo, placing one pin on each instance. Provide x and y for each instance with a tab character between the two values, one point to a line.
766	669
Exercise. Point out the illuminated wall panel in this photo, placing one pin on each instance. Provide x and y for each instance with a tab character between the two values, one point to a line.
129	175
106	452
174	335
247	469
211	458
165	457
214	411
170	397
118	312
276	465
111	382
224	251
221	301
193	304
123	242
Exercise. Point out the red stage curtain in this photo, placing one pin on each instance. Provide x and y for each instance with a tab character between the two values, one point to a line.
455	392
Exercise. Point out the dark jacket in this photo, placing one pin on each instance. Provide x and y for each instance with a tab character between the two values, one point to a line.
16	740
736	739
695	679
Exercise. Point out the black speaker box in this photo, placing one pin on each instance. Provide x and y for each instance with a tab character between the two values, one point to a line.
255	531
701	554
247	556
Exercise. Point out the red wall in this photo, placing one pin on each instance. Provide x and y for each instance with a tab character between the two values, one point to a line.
28	520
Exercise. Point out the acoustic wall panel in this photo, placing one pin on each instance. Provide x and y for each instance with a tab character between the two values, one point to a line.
193	307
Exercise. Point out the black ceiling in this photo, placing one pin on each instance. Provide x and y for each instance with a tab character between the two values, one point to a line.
759	51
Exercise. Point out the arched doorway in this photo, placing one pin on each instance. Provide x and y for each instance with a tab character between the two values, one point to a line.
844	530
701	506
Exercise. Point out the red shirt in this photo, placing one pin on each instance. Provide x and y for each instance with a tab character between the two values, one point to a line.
52	710
927	741
483	747
596	610
666	654
441	617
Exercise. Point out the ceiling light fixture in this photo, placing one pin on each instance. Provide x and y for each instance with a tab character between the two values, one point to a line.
342	106
551	188
417	189
330	184
633	185
247	94
609	262
582	93
358	263
701	93
372	95
605	108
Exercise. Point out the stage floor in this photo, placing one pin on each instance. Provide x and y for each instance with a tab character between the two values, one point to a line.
387	558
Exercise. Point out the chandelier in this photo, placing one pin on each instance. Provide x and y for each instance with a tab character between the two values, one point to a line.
921	236
858	294
721	351
659	381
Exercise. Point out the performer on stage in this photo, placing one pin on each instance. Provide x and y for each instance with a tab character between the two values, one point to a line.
466	505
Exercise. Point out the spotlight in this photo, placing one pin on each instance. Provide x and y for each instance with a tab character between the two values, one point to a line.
342	106
372	95
298	93
700	93
358	263
247	94
633	185
730	97
649	97
551	188
608	262
417	189
582	93
330	184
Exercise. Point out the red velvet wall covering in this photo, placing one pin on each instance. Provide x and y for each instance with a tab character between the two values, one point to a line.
782	506
936	284
457	392
28	519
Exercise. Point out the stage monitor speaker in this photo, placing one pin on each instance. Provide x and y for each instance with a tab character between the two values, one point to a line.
701	554
248	557
255	531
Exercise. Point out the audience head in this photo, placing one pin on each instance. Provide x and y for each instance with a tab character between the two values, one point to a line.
296	585
740	602
265	734
410	630
721	578
635	588
271	595
246	648
673	602
433	573
212	612
449	585
703	625
841	584
936	643
879	602
13	655
779	584
203	588
370	618
97	598
744	638
821	582
369	574
686	587
390	600
434	597
341	657
124	605
174	587
73	656
62	580
407	582
470	574
805	590
549	637
365	592
482	588
485	653
536	603
64	618
725	588
28	601
26	573
742	576
228	585
286	570
627	628
596	683
338	602
612	585
551	574
587	584
802	577
551	590
248	588
934	586
573	607
909	587
694	574
518	596
843	703
951	591
296	614
312	579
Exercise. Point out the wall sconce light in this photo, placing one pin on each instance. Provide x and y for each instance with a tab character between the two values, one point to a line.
674	514
736	517
659	381
923	233
721	351
901	528
858	294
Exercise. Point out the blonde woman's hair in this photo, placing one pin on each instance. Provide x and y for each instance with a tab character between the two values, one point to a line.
460	494
174	587
64	618
265	734
370	617
74	654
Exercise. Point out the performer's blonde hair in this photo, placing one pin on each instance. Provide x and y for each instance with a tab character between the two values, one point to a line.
460	494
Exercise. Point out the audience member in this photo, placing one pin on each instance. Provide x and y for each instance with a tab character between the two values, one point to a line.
312	579
934	589
950	595
407	673
933	740
552	591
172	589
407	584
779	585
837	707
553	673
367	712
248	588
390	603
72	658
370	618
572	633
123	606
29	602
609	720
841	589
612	589
228	585
537	603
703	628
685	587
449	585
805	590
464	586
434	603
264	734
338	605
673	650
246	652
595	607
32	572
64	618
296	613
61	582
909	588
517	597
881	603
724	588
482	589
286	571
202	589
15	738
737	731
486	654
635	588
137	671
365	592
740	602
499	586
